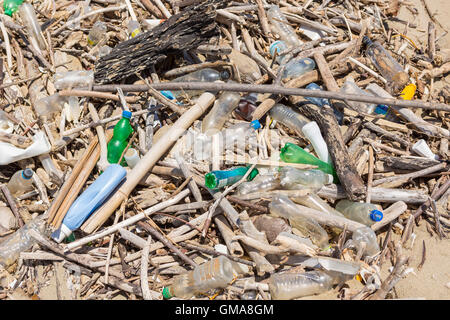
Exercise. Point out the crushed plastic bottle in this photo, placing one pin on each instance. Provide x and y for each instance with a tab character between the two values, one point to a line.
20	241
382	109
221	178
287	286
70	79
92	198
203	75
216	273
313	178
21	182
247	67
261	183
220	112
119	141
29	19
389	68
247	105
350	87
298	67
292	153
240	134
97	33
282	206
365	213
11	6
282	26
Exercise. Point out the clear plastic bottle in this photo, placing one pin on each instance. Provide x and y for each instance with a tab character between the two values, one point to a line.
282	206
133	28
203	75
297	67
220	112
97	32
240	132
350	87
261	183
21	182
29	19
20	241
313	201
382	109
282	26
48	106
290	177
216	273
287	116
70	79
368	236
287	286
389	68
247	105
322	101
51	169
365	213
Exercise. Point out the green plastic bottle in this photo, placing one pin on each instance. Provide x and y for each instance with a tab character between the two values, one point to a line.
221	178
294	154
119	141
11	6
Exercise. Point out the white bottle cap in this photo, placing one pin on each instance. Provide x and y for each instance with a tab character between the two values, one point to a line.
312	133
132	157
62	233
421	148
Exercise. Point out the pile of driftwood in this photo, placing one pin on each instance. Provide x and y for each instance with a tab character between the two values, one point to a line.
163	221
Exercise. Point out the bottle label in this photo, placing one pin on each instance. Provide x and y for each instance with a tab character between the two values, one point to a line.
90	42
135	33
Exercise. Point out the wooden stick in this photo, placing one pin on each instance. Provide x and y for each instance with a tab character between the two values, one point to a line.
148	161
95	94
390	214
144	270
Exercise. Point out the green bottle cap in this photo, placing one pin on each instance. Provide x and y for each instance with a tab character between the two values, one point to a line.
210	180
166	293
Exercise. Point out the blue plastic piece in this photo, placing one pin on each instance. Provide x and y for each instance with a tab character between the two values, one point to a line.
255	124
126	114
317	101
376	215
381	109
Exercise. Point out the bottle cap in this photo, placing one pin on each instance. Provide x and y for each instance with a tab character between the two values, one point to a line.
27	174
126	114
381	109
62	233
224	75
210	180
376	215
166	293
255	124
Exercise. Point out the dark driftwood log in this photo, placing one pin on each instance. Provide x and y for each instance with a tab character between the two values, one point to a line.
184	31
409	163
345	168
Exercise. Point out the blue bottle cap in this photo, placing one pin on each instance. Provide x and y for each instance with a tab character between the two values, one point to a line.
126	114
381	109
27	174
255	124
376	215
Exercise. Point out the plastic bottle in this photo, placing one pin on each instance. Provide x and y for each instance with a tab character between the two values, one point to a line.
282	26
240	133
261	183
287	116
21	182
247	105
421	148
220	112
118	143
312	132
11	6
29	19
132	157
297	67
282	206
6	124
367	235
133	28
216	273
247	67
220	178
48	106
322	101
313	201
365	213
290	177
278	47
350	87
389	68
20	241
49	167
382	109
97	32
92	198
286	286
294	154
203	75
70	79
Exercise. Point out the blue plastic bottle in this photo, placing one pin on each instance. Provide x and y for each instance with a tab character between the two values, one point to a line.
92	198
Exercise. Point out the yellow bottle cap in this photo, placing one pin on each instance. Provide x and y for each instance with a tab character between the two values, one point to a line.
408	92
135	33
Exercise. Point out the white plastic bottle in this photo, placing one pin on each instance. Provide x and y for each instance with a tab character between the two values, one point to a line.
220	112
282	26
365	213
216	273
350	87
312	133
287	286
261	183
282	206
21	182
290	177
